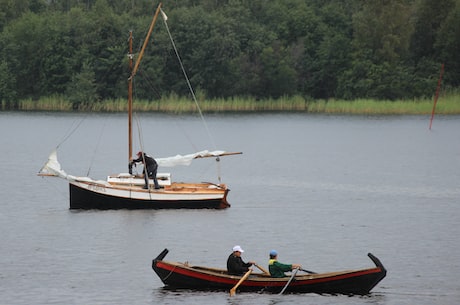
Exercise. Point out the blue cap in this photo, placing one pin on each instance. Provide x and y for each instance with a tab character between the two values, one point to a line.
273	253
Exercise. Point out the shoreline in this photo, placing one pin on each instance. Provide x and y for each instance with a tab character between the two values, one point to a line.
447	104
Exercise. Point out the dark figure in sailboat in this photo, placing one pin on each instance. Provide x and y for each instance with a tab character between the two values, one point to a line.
150	168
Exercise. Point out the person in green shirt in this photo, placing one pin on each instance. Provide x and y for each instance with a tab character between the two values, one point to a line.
276	268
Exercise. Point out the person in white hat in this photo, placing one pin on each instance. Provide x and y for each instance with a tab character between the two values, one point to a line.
235	264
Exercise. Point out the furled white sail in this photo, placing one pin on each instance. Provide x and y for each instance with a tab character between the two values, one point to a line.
53	168
187	159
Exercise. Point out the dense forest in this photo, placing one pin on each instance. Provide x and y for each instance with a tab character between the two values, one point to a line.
317	49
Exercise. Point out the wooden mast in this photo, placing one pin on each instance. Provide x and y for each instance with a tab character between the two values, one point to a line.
133	73
130	99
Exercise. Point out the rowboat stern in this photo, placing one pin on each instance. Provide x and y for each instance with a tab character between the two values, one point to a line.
380	275
157	259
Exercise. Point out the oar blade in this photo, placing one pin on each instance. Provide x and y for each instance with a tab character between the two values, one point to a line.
233	290
290	279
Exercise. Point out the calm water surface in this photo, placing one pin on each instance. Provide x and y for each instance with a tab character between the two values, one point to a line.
322	190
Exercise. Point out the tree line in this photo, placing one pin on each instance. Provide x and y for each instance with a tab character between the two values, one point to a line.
317	49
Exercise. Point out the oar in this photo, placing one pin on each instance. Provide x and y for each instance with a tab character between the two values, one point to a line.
245	276
262	269
307	271
292	276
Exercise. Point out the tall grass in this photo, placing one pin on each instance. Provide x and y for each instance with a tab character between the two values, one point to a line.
448	103
54	103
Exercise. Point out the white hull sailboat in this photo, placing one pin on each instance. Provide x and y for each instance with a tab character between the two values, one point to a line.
125	191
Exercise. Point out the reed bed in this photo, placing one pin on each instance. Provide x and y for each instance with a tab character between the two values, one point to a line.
54	103
447	104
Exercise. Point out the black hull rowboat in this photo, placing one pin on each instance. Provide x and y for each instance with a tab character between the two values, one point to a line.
350	282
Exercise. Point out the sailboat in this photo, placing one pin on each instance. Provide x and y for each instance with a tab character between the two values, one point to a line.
125	190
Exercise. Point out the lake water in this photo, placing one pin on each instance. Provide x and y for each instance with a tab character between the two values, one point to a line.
322	190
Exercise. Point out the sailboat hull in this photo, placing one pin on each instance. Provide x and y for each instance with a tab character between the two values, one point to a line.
84	195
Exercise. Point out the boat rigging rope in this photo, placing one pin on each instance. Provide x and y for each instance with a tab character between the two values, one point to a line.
96	148
141	144
165	18
139	132
70	131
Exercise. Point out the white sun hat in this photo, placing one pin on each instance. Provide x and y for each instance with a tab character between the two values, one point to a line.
238	248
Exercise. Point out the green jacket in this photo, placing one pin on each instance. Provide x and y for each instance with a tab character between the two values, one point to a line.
277	269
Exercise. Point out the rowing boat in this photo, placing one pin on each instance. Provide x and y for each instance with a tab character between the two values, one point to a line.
178	275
